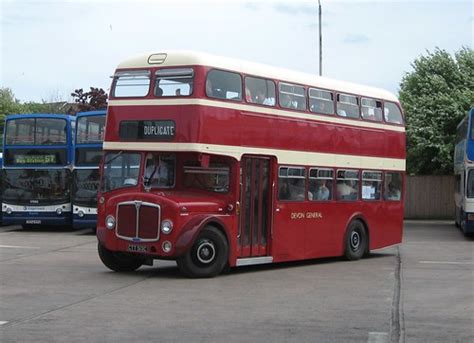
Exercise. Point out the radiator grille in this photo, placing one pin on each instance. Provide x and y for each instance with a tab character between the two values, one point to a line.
138	221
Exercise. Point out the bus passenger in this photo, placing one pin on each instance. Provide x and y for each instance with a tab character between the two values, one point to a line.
264	100
393	192
158	91
346	190
209	88
322	191
287	102
284	191
156	171
248	95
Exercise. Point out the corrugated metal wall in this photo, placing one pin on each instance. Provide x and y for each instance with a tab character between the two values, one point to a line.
429	197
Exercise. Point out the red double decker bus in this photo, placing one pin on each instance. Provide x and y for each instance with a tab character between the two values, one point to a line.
216	162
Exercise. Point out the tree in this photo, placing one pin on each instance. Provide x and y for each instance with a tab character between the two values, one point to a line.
435	96
95	99
10	105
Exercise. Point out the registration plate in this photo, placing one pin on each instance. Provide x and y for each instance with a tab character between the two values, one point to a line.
33	221
137	248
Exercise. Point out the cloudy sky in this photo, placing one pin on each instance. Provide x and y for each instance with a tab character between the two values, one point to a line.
49	48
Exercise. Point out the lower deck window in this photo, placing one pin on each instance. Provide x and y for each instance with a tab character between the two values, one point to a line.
371	185
320	184
160	170
215	178
347	185
393	186
291	183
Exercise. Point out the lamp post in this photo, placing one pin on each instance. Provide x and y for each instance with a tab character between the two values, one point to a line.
320	41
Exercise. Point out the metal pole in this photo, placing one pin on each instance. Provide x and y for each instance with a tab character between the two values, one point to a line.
320	42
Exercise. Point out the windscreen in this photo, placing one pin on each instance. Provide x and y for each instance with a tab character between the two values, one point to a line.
86	185
36	131
90	129
36	186
120	170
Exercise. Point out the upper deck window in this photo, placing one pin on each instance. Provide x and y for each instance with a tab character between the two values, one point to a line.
347	106
392	113
174	82
371	109
321	101
292	96
259	91
90	129
131	83
224	85
36	131
20	131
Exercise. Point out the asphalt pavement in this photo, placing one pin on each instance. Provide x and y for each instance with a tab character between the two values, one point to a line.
53	288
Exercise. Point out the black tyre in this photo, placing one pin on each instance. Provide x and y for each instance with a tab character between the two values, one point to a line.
119	261
356	241
208	255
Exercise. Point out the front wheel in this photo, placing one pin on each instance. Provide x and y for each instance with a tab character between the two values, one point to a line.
119	261
356	241
208	255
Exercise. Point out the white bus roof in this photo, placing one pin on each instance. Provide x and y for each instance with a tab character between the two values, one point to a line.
180	58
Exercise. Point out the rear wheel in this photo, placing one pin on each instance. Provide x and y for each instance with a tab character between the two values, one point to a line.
119	261
208	255
356	241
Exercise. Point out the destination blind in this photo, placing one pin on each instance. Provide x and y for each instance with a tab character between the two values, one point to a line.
39	157
156	130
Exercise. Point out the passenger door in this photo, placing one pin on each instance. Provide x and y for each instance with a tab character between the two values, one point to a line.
256	198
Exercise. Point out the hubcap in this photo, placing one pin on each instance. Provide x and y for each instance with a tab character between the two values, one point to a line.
206	252
355	240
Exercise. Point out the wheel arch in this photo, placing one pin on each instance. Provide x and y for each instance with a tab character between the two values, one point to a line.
192	229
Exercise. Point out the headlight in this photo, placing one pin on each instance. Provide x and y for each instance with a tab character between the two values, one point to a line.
80	213
59	210
9	210
110	222
166	226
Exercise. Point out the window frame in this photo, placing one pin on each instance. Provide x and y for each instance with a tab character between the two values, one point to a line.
160	154
35	120
398	107
380	181
376	102
225	71
317	177
332	92
385	186
357	97
156	77
119	73
280	83
349	179
244	97
292	177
